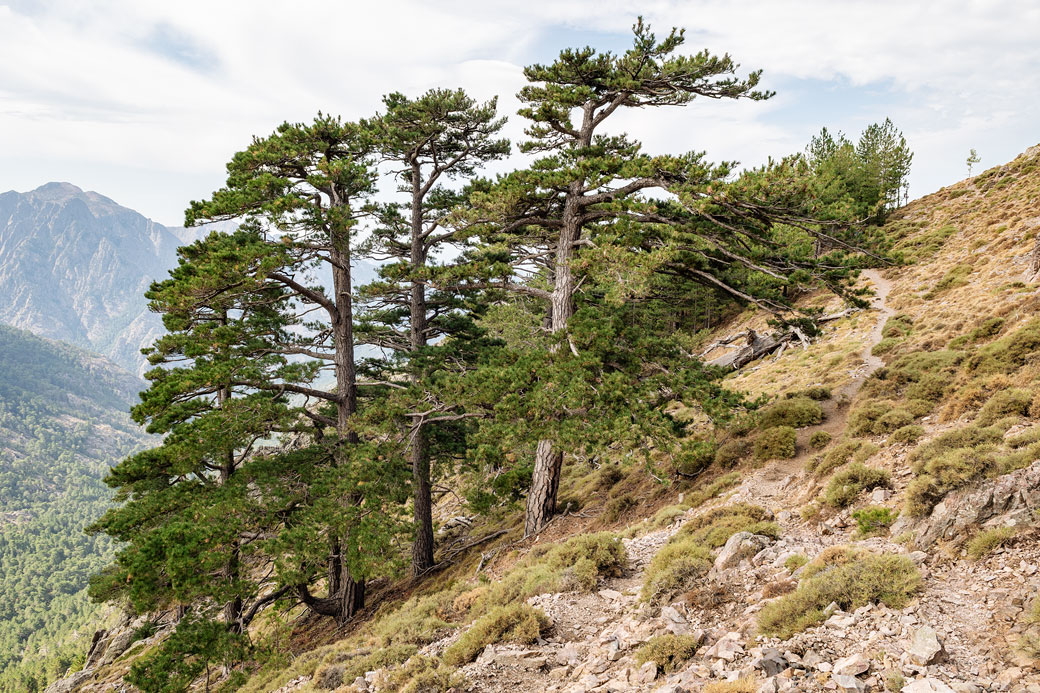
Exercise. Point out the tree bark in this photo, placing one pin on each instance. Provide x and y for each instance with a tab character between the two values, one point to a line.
419	455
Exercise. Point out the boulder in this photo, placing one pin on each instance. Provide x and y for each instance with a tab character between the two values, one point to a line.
853	665
925	647
845	682
1011	497
740	546
771	662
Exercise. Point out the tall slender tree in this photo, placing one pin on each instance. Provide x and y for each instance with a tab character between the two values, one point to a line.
305	187
441	136
587	180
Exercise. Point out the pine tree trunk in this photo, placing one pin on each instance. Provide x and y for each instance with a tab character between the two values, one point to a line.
548	463
352	597
545	482
422	549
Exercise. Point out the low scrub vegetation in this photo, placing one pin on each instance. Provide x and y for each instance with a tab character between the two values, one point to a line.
851	480
819	440
687	556
989	540
519	623
874	520
776	444
795	412
668	652
850	578
857	450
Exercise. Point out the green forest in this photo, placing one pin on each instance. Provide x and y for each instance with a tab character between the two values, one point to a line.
551	312
63	424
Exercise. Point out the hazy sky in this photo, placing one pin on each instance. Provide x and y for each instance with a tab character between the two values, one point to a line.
146	101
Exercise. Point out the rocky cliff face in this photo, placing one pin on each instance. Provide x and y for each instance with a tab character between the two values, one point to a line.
74	266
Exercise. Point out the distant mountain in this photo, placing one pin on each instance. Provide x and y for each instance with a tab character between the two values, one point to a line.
63	423
74	266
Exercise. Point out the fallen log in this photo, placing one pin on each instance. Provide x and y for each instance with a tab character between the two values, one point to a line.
756	346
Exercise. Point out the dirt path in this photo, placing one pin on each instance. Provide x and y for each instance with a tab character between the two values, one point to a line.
774	483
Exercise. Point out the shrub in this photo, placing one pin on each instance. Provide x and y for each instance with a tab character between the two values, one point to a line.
668	651
817	392
775	443
1014	402
897	326
848	577
795	412
518	623
848	482
618	506
906	434
713	489
694	458
1009	353
857	450
989	540
930	387
819	440
956	277
608	476
874	519
730	453
687	556
421	675
675	569
988	328
793	563
1025	438
713	528
885	346
590	556
892	420
666	516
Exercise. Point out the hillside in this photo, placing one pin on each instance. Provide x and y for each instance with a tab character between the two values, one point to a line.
872	527
74	266
63	423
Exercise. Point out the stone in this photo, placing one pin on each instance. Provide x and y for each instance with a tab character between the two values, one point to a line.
740	546
670	613
880	495
964	687
926	685
771	662
925	647
845	682
770	686
853	665
727	648
647	673
611	595
811	659
69	684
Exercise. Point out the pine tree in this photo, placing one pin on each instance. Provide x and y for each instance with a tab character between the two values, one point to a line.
442	135
586	178
305	187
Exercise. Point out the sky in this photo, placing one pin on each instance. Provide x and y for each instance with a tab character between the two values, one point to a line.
145	101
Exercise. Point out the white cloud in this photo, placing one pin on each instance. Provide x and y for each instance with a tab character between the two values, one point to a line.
175	88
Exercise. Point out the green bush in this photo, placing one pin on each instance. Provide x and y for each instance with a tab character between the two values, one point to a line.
885	346
930	387
848	577
817	392
851	480
795	412
906	434
856	449
897	326
1025	438
730	453
874	519
956	277
819	440
617	506
989	540
1009	353
421	675
668	652
793	563
775	443
1014	402
519	623
678	566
